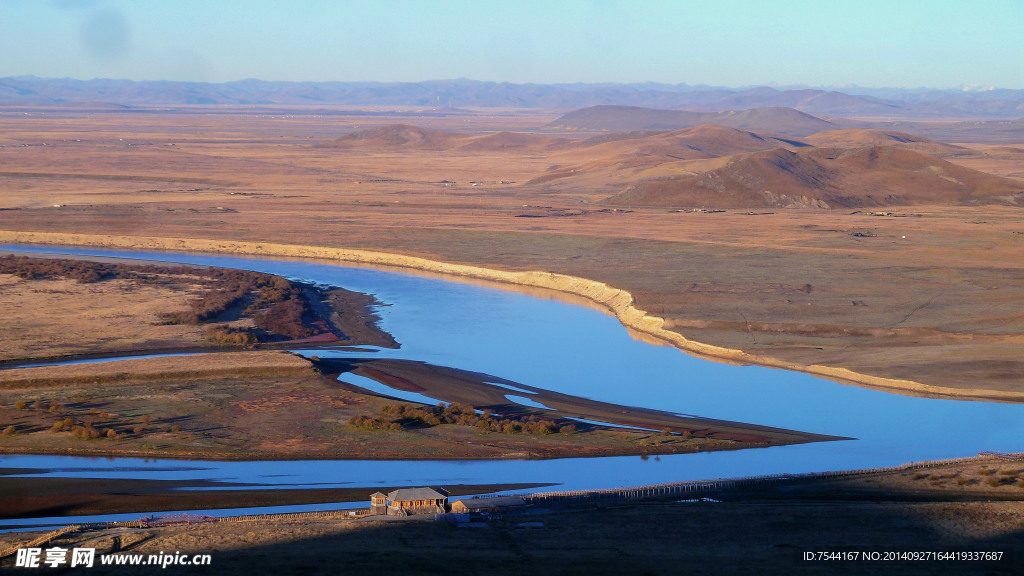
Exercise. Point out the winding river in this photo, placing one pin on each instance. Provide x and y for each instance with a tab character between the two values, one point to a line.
577	350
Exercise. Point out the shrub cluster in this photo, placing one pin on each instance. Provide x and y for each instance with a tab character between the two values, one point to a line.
285	318
276	306
86	432
226	288
63	425
373	423
34	268
228	336
402	416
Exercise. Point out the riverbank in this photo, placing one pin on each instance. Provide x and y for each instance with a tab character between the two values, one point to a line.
618	302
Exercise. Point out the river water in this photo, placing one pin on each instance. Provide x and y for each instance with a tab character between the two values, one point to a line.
576	350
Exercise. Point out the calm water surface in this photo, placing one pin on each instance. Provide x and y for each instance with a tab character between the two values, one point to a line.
575	350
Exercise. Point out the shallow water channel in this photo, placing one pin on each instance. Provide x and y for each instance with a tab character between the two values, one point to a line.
568	348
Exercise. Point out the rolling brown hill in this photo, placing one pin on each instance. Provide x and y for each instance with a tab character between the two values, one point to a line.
709	140
825	177
400	136
722	167
704	141
777	120
607	162
414	138
513	141
857	138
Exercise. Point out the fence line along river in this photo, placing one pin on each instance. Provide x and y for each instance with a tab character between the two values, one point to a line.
577	350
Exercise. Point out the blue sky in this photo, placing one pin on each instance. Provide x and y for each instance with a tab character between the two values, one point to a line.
892	43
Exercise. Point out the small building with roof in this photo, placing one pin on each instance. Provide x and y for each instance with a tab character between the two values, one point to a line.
378	503
489	506
409	501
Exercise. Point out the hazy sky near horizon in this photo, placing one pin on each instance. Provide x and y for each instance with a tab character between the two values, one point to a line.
871	43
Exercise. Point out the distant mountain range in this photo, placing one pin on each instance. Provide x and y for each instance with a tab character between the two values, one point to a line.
779	120
470	93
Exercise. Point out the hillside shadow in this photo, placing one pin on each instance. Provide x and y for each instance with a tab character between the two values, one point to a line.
644	539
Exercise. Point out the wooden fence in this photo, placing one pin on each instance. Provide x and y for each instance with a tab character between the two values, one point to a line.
191	519
702	486
1018	457
10	550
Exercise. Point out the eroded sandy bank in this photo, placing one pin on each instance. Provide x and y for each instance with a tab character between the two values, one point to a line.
617	301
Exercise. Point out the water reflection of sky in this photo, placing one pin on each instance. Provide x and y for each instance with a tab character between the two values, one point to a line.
575	350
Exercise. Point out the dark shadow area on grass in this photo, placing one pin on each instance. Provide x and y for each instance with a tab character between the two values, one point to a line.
636	539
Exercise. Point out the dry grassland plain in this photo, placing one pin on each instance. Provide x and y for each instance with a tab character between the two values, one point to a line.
926	294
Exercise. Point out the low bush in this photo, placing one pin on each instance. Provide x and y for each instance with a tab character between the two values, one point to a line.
227	336
85	432
402	416
62	426
285	318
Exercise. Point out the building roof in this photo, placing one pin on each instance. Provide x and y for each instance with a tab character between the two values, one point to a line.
406	494
377	495
493	502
